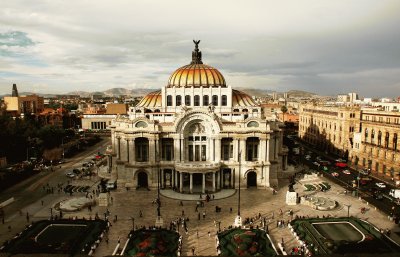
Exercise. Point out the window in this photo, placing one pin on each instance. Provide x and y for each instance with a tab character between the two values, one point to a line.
169	100
167	149
187	100
142	149
178	100
196	100
387	139
252	124
141	124
379	138
372	136
395	141
227	149
224	100
366	134
206	100
215	100
252	148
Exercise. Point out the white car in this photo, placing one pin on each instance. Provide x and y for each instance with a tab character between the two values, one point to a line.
307	157
70	174
347	172
380	184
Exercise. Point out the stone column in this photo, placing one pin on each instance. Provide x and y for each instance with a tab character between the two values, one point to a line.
235	149
262	150
119	148
180	182
173	178
152	149
113	143
133	152
213	181
204	184
162	178
191	183
127	150
212	149
218	179
217	149
243	149
177	152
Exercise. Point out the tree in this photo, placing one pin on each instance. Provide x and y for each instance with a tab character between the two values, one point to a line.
284	110
51	136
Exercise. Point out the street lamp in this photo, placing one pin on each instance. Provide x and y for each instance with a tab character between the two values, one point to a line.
159	220
348	210
238	219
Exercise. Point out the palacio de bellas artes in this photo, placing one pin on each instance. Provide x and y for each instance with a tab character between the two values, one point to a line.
197	135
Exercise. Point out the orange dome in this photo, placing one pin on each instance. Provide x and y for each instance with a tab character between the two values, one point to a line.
196	75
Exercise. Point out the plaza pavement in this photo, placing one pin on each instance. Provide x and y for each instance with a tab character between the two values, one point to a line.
127	205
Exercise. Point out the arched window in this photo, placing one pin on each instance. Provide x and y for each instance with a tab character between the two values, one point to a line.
178	100
215	100
366	134
187	100
252	124
224	100
141	124
206	100
245	110
372	136
169	100
196	100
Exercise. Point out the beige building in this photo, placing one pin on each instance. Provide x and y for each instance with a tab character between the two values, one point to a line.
330	128
376	146
199	135
17	105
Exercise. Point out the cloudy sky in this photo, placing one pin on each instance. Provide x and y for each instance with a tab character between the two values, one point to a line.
323	46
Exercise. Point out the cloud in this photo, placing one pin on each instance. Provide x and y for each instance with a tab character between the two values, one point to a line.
321	46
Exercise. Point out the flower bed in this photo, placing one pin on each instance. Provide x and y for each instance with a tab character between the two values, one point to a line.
245	242
157	242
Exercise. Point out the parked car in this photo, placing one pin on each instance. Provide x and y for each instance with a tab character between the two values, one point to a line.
380	184
340	160
316	164
307	157
335	174
325	163
341	165
70	174
347	172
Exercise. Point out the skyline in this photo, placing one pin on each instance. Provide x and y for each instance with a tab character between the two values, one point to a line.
322	47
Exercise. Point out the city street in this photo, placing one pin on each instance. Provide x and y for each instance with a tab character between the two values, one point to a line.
29	194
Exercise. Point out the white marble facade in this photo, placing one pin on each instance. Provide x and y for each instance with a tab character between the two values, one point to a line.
197	135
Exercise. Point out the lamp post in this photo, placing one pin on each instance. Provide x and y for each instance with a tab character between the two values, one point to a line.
133	223
159	219
348	210
238	219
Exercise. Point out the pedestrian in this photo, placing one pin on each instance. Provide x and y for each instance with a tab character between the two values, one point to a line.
193	251
119	240
183	212
230	210
9	228
27	217
42	202
213	196
181	203
198	215
204	215
209	234
115	218
197	233
140	213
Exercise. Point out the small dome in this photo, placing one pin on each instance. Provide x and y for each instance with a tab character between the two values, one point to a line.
240	98
152	99
196	74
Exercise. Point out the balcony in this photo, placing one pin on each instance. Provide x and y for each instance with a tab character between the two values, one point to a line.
199	167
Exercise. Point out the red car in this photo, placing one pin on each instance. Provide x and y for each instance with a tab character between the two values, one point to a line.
341	165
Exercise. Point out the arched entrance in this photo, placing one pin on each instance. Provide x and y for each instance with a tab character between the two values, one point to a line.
251	179
142	179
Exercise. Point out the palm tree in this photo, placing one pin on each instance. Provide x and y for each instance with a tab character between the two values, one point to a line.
284	110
